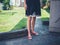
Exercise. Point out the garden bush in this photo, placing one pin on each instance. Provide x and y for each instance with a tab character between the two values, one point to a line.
46	4
6	4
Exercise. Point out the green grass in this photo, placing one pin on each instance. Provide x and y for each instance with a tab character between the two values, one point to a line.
15	19
9	19
21	24
45	15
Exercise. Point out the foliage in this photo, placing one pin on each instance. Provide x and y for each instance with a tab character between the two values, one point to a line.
1	1
6	4
45	4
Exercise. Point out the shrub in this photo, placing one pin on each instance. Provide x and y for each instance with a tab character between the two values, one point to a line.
6	4
1	1
43	3
46	4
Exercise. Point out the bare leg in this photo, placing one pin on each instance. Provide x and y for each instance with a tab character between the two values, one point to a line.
33	23
32	26
29	27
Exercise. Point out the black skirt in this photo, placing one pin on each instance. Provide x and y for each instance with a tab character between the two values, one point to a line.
33	8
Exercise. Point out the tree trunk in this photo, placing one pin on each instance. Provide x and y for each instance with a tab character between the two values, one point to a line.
55	16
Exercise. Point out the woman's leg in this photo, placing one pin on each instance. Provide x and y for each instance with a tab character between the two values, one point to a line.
33	23
29	27
32	26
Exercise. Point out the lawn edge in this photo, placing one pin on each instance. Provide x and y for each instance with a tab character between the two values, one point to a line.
13	35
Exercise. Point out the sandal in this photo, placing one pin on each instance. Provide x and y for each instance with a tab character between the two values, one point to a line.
29	37
34	33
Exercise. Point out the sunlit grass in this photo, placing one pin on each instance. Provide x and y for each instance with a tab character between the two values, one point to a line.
45	15
15	19
10	18
22	24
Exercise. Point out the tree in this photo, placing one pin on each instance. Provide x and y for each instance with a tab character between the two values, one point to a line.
54	25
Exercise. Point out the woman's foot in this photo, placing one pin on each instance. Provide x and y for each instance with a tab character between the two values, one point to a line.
35	33
29	37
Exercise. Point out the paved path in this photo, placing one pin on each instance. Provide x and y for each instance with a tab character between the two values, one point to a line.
44	38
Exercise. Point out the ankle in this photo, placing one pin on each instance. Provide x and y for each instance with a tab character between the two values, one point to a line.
29	34
32	31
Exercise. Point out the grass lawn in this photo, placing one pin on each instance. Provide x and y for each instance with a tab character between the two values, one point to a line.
45	15
15	19
10	18
21	24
